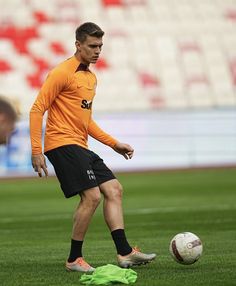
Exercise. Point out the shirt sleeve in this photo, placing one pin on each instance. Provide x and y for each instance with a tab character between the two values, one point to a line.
52	86
97	133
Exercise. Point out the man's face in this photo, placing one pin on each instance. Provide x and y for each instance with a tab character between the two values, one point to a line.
6	128
89	50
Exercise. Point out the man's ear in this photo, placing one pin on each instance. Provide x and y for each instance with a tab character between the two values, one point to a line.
78	45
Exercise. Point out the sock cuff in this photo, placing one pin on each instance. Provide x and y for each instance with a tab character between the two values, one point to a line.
118	232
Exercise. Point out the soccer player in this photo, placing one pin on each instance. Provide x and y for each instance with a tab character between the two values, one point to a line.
67	95
8	117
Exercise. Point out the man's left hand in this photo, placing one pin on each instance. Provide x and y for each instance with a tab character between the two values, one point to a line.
124	149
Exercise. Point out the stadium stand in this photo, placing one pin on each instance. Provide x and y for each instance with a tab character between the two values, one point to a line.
158	54
168	65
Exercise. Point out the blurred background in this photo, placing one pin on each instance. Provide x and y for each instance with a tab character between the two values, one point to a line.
166	77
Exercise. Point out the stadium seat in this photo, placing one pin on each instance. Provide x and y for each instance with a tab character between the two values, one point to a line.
112	2
4	66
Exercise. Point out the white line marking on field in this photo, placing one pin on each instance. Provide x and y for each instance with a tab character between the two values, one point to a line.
36	218
180	209
39	218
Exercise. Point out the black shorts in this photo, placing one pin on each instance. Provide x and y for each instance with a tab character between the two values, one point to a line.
78	169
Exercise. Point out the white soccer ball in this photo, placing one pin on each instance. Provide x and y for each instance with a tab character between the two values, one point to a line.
186	248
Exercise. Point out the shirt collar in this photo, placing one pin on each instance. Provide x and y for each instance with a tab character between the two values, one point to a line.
79	66
82	67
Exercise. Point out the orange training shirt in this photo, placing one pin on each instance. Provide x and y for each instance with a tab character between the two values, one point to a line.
67	95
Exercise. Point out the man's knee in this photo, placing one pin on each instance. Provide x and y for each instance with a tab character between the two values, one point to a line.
91	197
118	190
113	191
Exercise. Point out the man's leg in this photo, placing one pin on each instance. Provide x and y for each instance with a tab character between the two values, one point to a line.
113	214
112	205
89	202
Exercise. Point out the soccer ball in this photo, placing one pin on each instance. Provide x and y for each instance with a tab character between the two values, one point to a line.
186	248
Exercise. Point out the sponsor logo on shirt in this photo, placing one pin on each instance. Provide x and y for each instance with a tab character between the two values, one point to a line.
86	104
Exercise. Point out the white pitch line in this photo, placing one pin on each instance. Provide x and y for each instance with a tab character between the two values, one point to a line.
36	218
128	212
180	209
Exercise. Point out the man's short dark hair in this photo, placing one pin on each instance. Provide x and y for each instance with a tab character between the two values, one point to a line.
88	29
7	109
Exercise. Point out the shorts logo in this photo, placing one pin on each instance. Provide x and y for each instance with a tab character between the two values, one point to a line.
91	175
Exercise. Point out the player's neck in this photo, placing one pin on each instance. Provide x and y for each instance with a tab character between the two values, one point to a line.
78	57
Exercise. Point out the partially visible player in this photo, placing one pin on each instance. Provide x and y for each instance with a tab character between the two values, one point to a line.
8	117
68	94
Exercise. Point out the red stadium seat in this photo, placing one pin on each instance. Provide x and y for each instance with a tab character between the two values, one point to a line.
35	80
230	14
112	2
4	66
57	48
101	64
149	80
41	17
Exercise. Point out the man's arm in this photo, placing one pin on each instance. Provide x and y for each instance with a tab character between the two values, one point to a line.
97	133
49	91
36	120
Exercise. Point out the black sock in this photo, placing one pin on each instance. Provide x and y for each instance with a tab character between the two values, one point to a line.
121	243
75	250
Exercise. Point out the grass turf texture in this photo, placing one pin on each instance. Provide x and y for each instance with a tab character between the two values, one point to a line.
35	227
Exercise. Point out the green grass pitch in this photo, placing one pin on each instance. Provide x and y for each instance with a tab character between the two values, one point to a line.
35	228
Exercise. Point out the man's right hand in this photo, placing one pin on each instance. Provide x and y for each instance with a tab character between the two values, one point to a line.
39	163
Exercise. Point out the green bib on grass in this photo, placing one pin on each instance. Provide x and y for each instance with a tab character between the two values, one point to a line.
109	274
